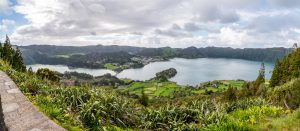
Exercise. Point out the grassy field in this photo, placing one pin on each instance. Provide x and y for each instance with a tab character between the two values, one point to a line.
110	66
166	89
114	67
154	88
218	86
291	122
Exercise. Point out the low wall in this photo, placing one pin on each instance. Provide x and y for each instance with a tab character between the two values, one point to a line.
18	113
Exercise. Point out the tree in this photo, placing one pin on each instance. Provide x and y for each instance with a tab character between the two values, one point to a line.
275	74
13	57
262	70
1	49
230	94
17	61
261	77
144	100
30	71
295	46
165	74
7	51
286	69
45	73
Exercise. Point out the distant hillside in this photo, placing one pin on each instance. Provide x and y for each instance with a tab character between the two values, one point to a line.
49	54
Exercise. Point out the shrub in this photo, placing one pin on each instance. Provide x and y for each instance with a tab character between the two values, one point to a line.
287	95
73	97
168	118
45	73
143	99
254	114
106	108
245	103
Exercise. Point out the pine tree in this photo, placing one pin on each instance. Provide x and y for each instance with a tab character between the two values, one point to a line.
1	50
14	57
17	62
275	74
7	50
262	70
30	71
295	46
230	94
144	99
286	69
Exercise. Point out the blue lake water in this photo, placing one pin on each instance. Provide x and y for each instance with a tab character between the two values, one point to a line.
189	71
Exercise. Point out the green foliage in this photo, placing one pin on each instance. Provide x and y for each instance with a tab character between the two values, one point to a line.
259	80
287	95
230	94
245	103
144	100
76	75
58	114
168	118
89	108
289	122
255	114
30	71
286	69
157	89
107	80
244	120
46	73
105	108
71	97
12	56
165	74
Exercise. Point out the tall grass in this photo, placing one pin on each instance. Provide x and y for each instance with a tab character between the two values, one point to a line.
104	108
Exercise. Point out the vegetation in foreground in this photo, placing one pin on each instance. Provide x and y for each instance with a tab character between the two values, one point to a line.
255	106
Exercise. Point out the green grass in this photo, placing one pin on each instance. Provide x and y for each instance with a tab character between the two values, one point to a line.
57	114
233	83
110	66
249	119
213	89
291	122
153	88
86	108
222	86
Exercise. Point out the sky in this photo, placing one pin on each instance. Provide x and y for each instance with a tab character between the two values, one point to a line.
152	23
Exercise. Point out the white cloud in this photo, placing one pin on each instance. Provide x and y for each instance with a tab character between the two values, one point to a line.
5	24
176	23
5	7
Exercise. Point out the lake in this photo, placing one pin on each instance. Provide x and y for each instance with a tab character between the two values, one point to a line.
189	71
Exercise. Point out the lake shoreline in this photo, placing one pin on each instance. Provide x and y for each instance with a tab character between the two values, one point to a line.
190	71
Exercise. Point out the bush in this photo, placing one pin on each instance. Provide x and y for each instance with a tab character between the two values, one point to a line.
254	114
287	95
143	99
45	73
106	108
168	118
245	103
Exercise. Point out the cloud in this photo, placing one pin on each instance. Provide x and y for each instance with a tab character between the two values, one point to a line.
78	17
154	23
6	24
285	3
174	31
275	22
5	7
